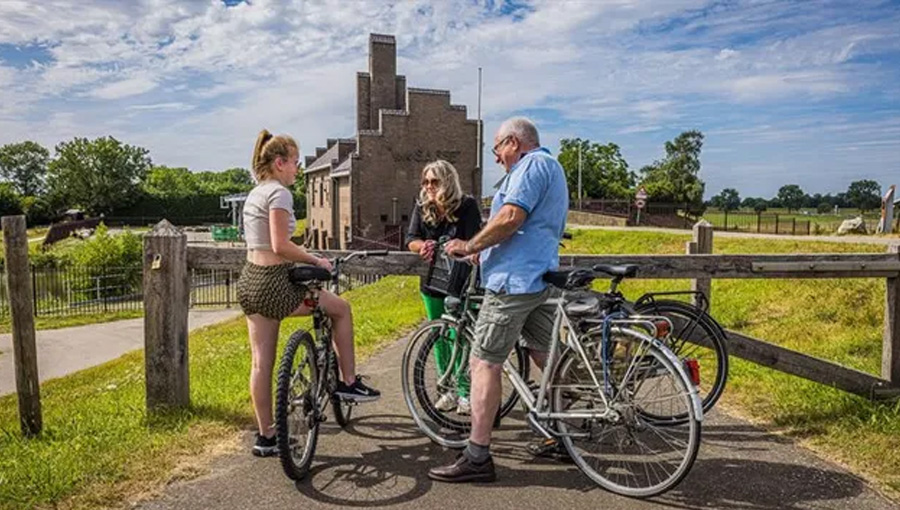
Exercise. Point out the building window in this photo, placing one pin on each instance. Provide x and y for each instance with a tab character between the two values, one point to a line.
322	192
311	192
404	218
384	218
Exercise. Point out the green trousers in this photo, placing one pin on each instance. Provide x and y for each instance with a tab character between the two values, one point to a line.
443	348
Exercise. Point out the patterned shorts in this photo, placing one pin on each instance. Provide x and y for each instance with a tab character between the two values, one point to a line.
268	291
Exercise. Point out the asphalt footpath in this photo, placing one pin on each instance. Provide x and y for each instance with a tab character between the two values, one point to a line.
381	460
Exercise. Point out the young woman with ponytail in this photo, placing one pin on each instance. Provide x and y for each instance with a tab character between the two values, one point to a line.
265	292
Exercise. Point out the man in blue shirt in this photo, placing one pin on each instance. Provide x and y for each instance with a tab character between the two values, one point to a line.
517	246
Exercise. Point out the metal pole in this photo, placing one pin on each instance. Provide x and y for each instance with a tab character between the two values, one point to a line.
579	175
480	127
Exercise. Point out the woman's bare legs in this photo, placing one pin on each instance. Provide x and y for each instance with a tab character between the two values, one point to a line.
263	344
342	331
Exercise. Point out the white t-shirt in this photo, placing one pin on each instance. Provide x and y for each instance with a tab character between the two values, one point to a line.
267	195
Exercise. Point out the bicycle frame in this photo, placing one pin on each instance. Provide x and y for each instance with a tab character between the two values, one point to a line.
538	408
322	324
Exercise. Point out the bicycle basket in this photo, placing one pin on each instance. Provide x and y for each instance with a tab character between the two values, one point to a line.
447	276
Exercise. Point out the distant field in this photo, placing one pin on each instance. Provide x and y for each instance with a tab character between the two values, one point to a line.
795	221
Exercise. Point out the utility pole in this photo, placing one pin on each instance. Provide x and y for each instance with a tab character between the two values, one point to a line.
579	175
480	142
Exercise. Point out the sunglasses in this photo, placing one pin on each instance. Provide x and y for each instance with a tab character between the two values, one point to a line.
501	143
431	182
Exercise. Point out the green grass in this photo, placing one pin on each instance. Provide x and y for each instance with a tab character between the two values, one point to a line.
835	319
820	224
100	449
300	228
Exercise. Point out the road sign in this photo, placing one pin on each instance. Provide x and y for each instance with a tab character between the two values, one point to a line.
641	194
640	203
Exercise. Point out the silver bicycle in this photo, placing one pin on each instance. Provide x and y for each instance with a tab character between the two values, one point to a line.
609	392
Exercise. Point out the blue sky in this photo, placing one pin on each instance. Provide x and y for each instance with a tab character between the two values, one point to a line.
786	92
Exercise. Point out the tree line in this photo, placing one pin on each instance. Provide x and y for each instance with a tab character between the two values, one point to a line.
109	177
864	195
675	179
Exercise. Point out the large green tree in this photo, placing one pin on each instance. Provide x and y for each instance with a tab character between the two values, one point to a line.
727	200
98	175
791	197
604	172
676	178
865	195
165	182
233	180
25	166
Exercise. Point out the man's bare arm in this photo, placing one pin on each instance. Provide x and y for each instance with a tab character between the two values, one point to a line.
501	227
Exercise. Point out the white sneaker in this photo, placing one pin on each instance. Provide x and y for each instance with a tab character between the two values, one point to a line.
463	407
446	403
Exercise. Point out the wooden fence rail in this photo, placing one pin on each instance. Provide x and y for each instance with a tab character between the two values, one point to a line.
702	267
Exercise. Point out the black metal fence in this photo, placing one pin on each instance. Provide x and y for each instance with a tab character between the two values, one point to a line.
80	290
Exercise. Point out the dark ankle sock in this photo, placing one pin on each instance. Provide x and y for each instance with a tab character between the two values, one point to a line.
477	453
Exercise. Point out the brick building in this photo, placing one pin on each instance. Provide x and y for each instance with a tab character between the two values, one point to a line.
362	189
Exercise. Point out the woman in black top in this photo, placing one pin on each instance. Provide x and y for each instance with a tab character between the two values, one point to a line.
442	210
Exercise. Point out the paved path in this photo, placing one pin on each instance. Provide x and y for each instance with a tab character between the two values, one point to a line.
381	459
832	239
67	350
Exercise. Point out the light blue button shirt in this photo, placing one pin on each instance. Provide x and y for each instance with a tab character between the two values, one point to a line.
537	184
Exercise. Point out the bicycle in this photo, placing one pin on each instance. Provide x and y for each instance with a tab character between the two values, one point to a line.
610	394
696	337
422	382
308	374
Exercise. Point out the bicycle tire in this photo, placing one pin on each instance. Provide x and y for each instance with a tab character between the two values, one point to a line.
689	320
295	466
441	427
342	409
617	452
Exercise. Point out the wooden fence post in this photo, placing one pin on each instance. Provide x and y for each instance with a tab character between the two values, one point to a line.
20	290
166	299
702	243
890	354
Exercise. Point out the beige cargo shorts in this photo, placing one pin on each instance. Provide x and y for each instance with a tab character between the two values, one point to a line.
504	318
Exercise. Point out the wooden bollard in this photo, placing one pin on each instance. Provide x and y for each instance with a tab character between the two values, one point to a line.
166	300
890	354
21	307
702	243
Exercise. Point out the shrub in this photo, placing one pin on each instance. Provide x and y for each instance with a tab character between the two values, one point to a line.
114	258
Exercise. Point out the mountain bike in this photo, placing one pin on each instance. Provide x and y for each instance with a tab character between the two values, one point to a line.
308	374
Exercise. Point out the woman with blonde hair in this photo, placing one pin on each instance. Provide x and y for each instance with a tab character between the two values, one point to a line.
265	291
442	210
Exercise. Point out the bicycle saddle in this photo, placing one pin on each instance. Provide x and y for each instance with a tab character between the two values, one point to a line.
625	271
569	278
302	274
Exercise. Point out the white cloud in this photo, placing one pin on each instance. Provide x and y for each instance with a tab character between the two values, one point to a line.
210	76
125	88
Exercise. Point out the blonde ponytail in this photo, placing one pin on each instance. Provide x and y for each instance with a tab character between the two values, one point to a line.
266	149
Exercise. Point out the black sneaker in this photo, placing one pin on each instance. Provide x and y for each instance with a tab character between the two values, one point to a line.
265	446
357	392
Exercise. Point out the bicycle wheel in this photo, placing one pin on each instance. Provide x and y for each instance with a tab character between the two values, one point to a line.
342	408
423	385
695	336
296	416
622	451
